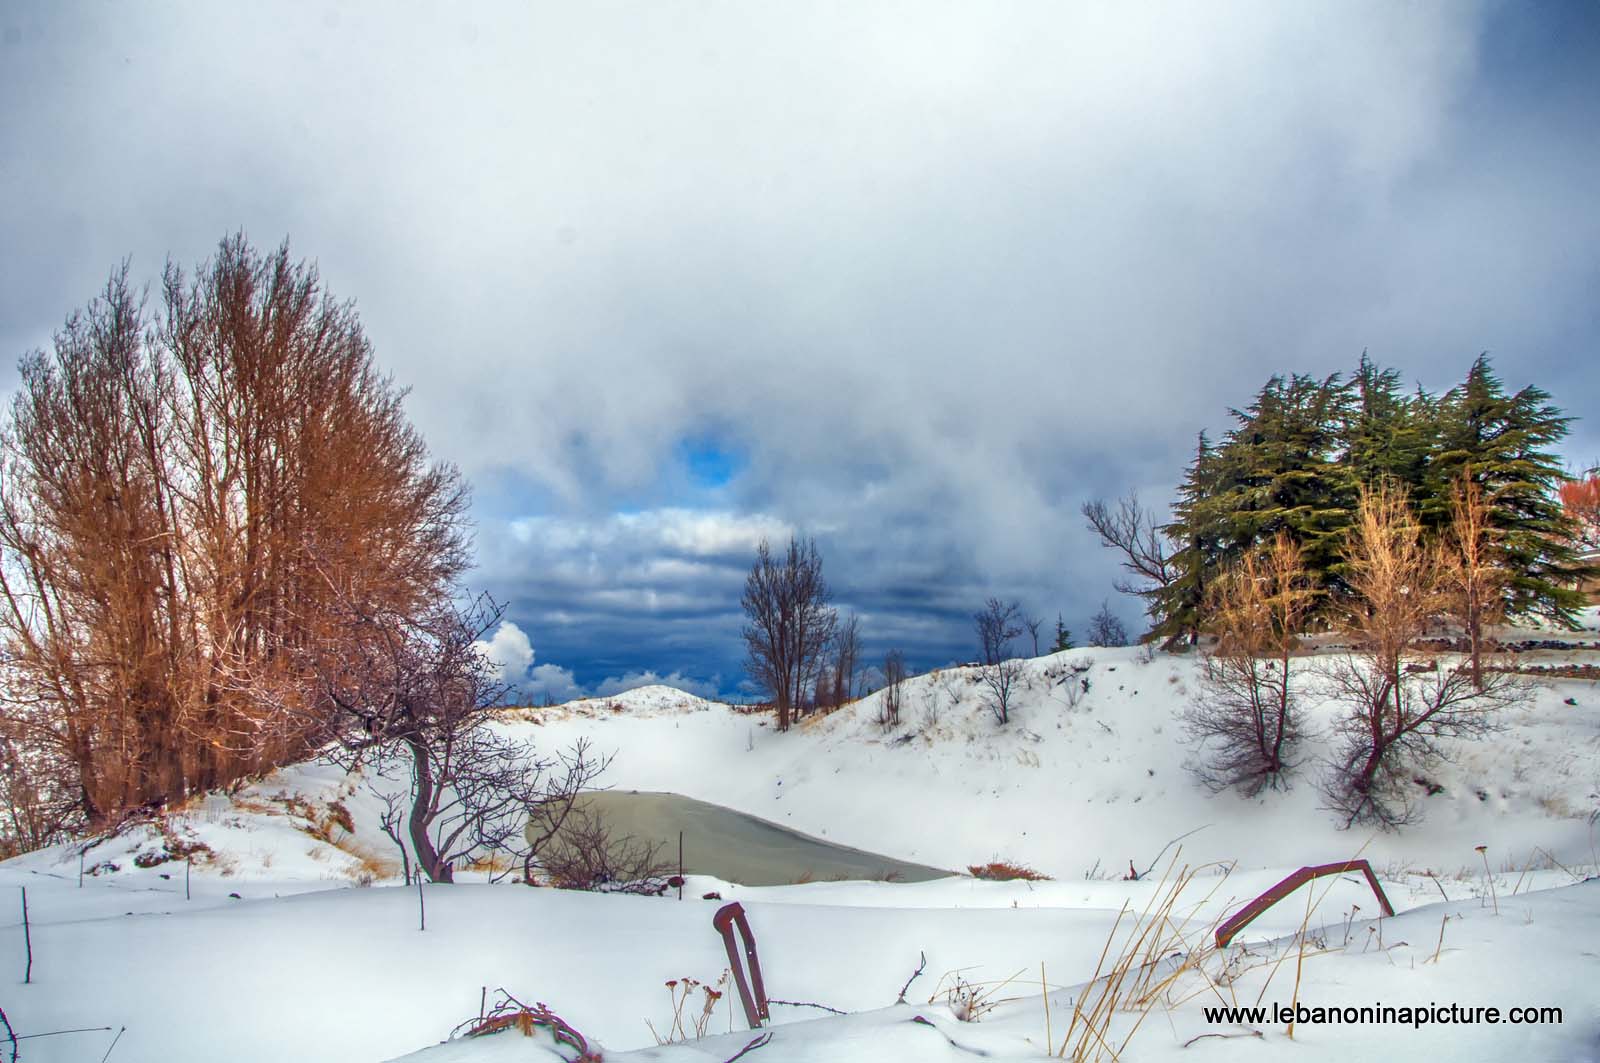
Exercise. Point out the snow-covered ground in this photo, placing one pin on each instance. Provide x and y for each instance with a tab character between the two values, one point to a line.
308	964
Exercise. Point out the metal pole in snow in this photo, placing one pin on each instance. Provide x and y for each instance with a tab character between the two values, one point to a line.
680	865
27	938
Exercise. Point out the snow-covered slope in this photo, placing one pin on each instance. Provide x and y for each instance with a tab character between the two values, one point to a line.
279	954
1081	783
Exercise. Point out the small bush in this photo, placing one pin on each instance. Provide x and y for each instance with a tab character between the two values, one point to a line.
587	856
1006	871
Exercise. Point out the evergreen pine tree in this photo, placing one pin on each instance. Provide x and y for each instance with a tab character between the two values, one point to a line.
1063	636
1280	468
1295	459
1387	435
1501	442
1175	609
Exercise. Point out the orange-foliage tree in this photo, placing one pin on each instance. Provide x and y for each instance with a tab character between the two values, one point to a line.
185	496
1474	570
1402	708
1247	713
1581	500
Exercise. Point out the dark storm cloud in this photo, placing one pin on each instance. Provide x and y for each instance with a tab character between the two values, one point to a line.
933	274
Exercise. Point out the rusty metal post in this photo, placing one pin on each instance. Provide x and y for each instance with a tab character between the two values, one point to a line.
1244	916
752	992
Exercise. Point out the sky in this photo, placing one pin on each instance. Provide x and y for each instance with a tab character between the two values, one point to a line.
912	279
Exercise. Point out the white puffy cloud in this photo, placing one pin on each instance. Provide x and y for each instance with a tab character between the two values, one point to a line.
549	682
509	650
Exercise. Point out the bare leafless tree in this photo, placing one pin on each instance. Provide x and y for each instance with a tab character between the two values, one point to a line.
846	654
1133	531
894	675
1398	709
1001	682
418	691
1474	570
997	623
1000	673
392	820
788	623
1105	629
1246	716
573	773
1033	624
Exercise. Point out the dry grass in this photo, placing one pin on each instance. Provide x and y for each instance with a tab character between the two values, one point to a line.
998	870
369	866
1157	953
970	1001
494	863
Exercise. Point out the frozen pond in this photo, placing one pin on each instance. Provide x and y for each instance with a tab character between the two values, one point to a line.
736	847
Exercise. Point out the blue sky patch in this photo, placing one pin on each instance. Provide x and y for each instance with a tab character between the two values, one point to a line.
711	462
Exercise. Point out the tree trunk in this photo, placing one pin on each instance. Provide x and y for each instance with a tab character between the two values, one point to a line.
422	801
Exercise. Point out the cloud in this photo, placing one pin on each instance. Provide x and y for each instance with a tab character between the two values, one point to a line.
935	282
509	650
673	530
549	682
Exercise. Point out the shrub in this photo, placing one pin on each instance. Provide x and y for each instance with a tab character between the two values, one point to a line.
585	855
1246	714
894	674
998	870
1395	715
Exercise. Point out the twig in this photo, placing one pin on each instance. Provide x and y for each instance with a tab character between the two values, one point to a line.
1224	1036
1436	882
806	1004
114	1041
422	907
755	1043
1169	845
11	1035
58	1033
921	966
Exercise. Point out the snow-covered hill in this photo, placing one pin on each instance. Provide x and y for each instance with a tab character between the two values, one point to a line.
280	954
1083	782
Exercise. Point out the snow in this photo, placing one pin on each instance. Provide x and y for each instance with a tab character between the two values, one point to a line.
306	964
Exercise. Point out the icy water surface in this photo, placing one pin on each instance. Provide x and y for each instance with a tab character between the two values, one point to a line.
741	848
